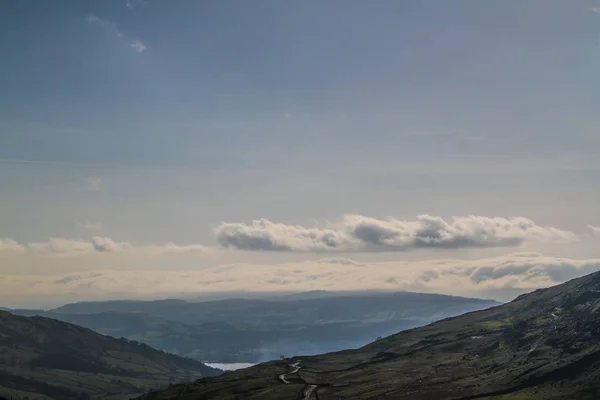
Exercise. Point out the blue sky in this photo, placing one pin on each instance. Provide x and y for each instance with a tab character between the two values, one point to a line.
153	122
221	77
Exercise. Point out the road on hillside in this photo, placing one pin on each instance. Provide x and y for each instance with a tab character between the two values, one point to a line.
309	392
293	370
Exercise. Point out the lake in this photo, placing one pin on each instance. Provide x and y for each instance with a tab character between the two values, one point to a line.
229	366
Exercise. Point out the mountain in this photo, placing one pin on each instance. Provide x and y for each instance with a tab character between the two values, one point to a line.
241	330
543	345
252	313
48	359
321	294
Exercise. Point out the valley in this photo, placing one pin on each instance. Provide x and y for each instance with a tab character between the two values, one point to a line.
258	330
543	345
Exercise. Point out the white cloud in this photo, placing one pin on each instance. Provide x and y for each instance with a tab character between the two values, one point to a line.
596	10
62	246
107	245
112	28
131	4
108	26
176	248
500	277
97	244
595	229
137	45
340	261
359	233
10	246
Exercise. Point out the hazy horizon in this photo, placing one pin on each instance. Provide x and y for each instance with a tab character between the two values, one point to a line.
163	149
219	296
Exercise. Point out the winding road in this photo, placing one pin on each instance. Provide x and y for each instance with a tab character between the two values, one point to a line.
294	368
309	392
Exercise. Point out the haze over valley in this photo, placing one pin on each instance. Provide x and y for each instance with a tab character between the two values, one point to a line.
251	331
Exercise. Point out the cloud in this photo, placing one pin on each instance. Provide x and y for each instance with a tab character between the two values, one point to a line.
108	26
596	10
176	248
112	29
131	4
520	270
10	246
340	261
137	45
501	277
62	246
107	245
94	184
359	233
595	229
97	244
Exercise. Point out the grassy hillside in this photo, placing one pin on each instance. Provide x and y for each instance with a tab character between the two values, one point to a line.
46	358
544	345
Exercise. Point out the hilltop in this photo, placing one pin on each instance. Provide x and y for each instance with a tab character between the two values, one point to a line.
542	345
251	312
44	358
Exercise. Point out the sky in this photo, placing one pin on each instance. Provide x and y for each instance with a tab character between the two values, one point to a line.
153	149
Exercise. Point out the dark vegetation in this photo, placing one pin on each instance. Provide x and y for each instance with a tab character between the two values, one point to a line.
42	358
543	345
252	330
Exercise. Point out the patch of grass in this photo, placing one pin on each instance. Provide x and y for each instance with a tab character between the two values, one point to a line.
493	324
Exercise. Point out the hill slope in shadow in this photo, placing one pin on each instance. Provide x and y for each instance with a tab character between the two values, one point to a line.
45	358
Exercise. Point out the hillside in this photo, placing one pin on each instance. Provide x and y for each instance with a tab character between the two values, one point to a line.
45	358
257	330
543	345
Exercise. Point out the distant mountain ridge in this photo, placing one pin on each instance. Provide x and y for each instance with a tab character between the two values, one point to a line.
242	330
246	311
45	358
544	345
